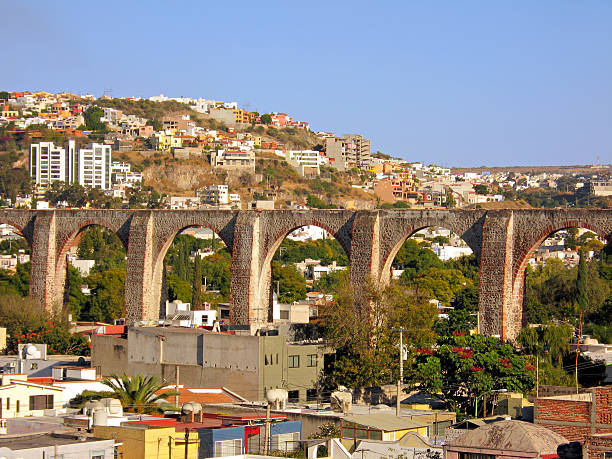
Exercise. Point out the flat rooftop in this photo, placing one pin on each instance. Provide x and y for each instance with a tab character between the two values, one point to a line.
31	441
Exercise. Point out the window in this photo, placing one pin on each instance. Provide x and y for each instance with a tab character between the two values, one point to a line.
17	406
293	396
41	402
311	360
228	447
294	361
286	441
33	366
97	455
311	394
8	403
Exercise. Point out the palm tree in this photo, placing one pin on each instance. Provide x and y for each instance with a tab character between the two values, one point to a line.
139	393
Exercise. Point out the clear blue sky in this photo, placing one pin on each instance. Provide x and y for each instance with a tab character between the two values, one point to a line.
451	82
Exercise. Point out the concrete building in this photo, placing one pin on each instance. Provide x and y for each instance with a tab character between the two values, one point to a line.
306	162
233	161
20	398
214	194
60	446
180	314
601	188
94	166
349	151
50	163
246	365
378	426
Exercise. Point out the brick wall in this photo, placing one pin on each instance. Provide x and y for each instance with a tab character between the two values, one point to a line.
575	419
596	446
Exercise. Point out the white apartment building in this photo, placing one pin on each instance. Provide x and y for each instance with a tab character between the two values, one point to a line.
117	167
306	162
94	166
214	194
50	163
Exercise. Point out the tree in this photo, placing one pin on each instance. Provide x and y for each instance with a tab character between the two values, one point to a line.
107	295
450	203
481	189
92	119
266	118
464	366
365	343
196	302
140	394
581	283
289	281
27	322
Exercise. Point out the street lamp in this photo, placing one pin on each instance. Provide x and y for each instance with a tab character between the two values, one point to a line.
482	395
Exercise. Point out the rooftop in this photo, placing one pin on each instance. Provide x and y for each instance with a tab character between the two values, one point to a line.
31	441
385	421
511	436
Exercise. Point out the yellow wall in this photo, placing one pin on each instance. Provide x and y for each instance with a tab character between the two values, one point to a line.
154	443
21	393
397	434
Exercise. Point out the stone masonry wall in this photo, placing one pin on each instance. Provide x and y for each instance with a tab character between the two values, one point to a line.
502	241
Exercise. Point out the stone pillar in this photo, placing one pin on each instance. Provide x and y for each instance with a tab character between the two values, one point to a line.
497	314
247	303
139	281
365	254
43	285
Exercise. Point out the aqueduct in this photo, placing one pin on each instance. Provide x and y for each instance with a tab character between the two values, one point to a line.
502	240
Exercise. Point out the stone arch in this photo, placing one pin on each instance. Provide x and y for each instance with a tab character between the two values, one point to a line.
22	221
69	236
528	248
272	241
158	266
466	225
169	223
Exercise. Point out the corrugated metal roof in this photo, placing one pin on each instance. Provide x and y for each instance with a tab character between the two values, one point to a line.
385	422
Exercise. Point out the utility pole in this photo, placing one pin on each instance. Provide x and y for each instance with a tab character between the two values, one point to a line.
176	386
186	443
401	368
578	347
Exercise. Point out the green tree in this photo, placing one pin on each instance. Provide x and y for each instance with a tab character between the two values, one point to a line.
197	283
481	189
289	282
463	367
266	118
365	343
140	394
581	283
92	119
178	289
107	296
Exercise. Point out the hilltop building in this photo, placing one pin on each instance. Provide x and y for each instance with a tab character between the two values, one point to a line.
50	163
349	151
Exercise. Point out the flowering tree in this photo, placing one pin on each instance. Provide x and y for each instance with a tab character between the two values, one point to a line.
462	367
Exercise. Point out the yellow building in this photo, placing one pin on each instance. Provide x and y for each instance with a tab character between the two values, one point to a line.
139	441
165	142
20	398
379	426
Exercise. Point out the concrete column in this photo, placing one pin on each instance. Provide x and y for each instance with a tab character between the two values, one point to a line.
365	254
498	314
139	282
43	285
247	303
